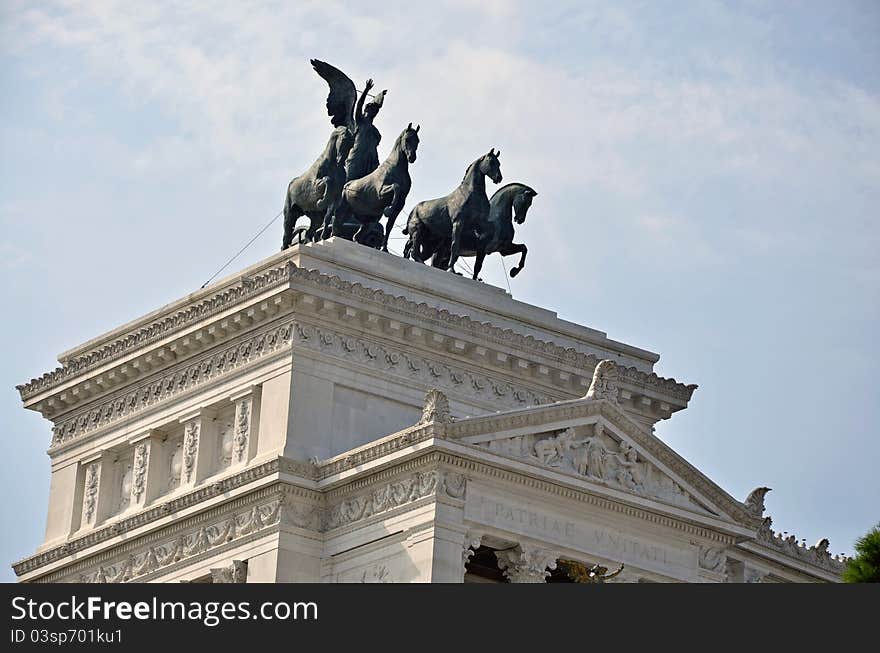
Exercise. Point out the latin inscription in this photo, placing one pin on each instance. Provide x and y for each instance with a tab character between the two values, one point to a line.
586	537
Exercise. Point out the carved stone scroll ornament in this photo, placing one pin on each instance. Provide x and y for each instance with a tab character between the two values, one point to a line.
436	408
471	544
604	385
526	563
714	560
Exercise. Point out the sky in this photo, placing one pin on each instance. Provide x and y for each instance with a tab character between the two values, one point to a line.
708	177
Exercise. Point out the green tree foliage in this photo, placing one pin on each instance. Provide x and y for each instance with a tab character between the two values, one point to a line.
865	566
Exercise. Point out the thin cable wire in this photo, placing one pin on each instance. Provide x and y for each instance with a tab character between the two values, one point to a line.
504	266
250	242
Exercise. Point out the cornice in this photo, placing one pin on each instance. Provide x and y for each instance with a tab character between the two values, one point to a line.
182	379
161	328
290	273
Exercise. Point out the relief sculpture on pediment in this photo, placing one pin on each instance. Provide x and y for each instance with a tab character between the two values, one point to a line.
591	452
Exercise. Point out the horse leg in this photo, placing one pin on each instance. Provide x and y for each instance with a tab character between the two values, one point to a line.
514	248
291	214
322	187
457	226
391	211
478	264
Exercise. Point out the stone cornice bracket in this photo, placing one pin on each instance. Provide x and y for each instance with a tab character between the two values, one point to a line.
526	563
435	408
754	503
605	383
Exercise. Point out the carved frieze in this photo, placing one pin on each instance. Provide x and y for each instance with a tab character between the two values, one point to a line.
412	367
589	452
172	384
196	541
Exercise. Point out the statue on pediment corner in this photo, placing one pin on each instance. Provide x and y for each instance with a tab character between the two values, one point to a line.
436	408
754	503
604	385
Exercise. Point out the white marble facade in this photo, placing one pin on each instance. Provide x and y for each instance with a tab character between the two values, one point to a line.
337	414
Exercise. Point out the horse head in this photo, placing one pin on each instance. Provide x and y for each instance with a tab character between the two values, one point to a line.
521	203
409	142
490	166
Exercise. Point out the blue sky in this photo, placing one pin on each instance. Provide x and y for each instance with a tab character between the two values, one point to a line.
708	178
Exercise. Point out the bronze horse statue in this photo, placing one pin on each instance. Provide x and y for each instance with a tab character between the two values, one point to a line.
382	192
436	227
507	206
316	192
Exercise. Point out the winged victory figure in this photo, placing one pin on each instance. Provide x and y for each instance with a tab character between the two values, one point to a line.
346	109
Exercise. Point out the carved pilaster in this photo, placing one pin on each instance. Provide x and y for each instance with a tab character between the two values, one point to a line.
146	468
245	425
97	494
527	563
198	451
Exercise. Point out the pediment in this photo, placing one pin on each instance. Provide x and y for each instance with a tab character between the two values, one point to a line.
595	441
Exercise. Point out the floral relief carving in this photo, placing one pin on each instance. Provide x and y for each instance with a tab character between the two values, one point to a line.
242	428
190	448
90	493
430	373
381	499
140	470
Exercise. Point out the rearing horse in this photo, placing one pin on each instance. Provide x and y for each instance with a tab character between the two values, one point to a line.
383	191
436	226
509	204
316	192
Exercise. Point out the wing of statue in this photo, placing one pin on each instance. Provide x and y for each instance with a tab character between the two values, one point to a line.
342	97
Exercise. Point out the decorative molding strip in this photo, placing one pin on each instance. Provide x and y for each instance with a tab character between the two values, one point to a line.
160	389
816	555
430	373
289	272
197	541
